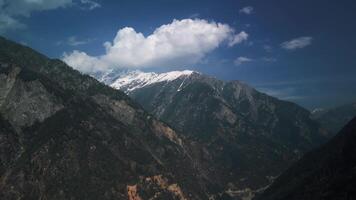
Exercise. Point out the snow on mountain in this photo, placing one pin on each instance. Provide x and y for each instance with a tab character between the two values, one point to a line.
108	77
132	80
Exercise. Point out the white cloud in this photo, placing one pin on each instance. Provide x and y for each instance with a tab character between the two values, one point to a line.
182	42
247	10
238	38
240	60
297	43
84	63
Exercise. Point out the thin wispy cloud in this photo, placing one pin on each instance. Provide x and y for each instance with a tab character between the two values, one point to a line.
287	83
8	23
241	60
307	81
74	41
268	48
297	43
289	93
89	4
269	59
194	15
12	12
248	10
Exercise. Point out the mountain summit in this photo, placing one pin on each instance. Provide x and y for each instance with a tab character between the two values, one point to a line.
133	80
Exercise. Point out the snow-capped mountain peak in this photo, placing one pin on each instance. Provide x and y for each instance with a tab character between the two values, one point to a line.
137	79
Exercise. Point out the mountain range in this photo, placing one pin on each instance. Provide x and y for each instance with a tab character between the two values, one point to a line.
234	126
143	135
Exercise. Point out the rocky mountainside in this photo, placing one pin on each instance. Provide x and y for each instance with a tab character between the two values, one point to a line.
248	136
334	119
328	172
64	135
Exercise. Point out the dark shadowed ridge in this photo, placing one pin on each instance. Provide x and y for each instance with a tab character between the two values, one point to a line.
328	172
64	135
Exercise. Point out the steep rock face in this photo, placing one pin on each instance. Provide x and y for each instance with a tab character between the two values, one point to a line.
328	172
241	137
64	135
23	102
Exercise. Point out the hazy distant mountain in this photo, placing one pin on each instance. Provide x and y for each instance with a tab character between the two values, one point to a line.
243	138
64	135
334	119
326	173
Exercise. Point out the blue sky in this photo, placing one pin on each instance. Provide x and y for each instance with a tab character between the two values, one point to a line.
302	51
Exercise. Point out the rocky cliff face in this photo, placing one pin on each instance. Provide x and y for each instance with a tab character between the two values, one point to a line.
23	102
64	135
241	137
328	172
